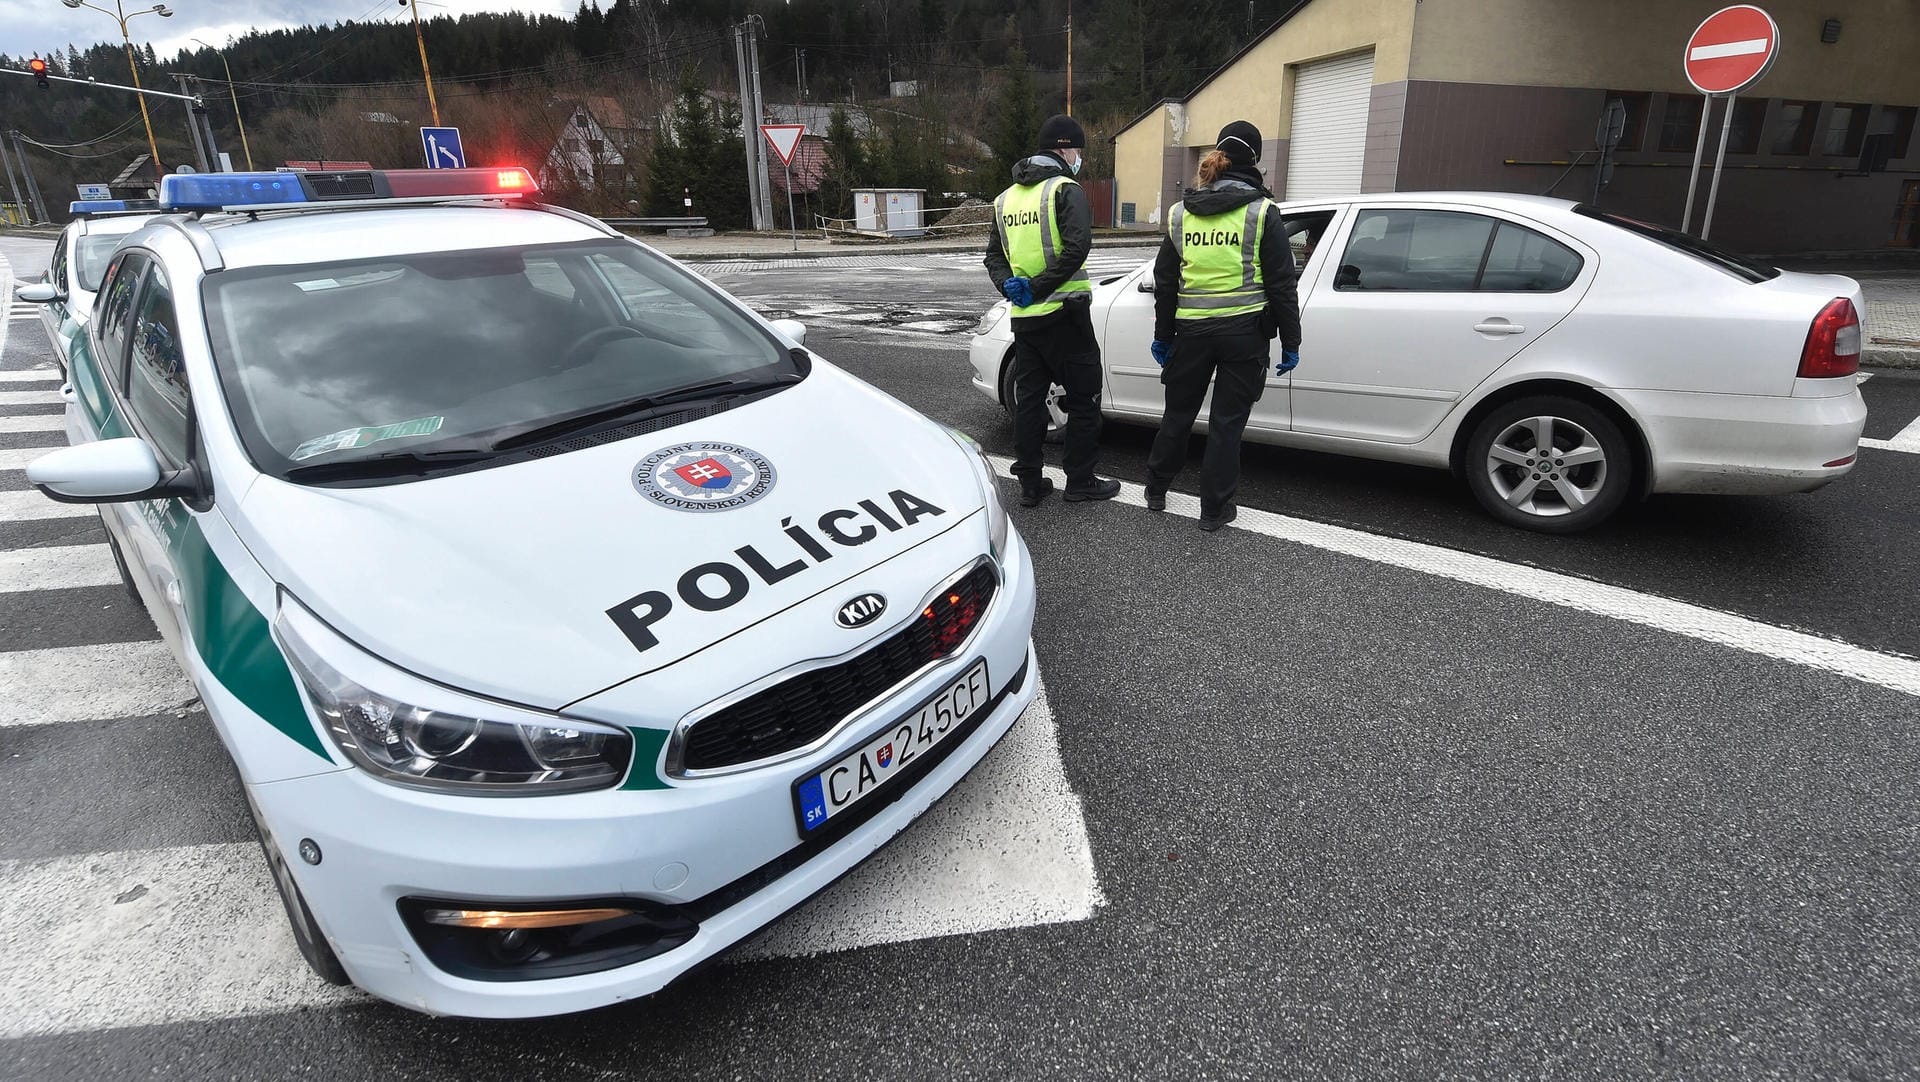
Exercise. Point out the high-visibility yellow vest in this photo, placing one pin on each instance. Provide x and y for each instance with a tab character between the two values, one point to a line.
1219	261
1030	231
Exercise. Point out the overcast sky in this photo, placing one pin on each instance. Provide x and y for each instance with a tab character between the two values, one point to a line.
27	26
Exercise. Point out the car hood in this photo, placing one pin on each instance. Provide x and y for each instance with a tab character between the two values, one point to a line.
545	581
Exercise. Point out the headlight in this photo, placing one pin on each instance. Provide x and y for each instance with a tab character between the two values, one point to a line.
998	527
992	317
423	736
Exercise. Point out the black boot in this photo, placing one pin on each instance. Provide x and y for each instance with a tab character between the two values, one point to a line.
1156	497
1227	514
1100	488
1032	492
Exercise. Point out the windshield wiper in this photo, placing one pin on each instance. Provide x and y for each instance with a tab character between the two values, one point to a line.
632	408
391	464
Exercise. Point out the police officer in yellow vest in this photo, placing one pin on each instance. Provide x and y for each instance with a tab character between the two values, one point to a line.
1223	289
1043	230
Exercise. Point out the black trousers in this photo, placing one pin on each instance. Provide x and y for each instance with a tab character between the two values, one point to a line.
1062	350
1236	365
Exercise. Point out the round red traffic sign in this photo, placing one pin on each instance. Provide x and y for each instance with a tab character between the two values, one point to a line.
1733	48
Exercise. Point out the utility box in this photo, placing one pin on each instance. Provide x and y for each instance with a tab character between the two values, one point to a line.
893	211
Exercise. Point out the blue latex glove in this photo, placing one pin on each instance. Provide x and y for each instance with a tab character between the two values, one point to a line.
1288	360
1161	351
1018	290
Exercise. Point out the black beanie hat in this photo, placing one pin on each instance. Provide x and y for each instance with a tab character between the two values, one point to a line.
1061	133
1240	142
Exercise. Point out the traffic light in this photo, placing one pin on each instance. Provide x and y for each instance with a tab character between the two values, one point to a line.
39	69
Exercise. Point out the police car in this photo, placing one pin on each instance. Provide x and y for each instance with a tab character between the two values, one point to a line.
567	621
80	257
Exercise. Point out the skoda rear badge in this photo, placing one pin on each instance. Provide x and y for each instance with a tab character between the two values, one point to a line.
861	611
704	476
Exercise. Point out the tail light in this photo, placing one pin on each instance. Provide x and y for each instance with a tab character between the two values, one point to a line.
1833	343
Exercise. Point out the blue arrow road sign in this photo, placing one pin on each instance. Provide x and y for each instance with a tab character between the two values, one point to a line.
443	148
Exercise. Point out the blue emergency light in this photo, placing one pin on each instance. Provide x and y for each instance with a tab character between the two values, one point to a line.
80	208
215	191
211	191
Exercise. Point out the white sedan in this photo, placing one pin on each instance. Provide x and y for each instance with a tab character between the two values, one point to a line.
1561	359
79	259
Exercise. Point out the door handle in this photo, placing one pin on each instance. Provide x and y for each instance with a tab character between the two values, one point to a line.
1496	325
67	393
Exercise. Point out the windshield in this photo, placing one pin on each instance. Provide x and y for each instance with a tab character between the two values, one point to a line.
1740	266
331	363
91	255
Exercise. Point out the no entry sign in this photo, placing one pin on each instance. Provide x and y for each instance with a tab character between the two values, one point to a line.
1734	47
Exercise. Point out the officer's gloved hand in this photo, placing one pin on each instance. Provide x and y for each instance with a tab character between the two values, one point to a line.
1161	351
1018	290
1288	360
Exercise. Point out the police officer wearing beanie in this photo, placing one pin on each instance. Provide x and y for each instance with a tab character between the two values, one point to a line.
1042	232
1223	289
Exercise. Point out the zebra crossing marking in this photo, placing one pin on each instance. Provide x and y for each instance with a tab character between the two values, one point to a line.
39	422
56	567
29	504
64	684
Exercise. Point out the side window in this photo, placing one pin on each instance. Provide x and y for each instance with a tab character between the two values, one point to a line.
545	274
157	376
1414	251
1522	261
115	310
1304	233
57	267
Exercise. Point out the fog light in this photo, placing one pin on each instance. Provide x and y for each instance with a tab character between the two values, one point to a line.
543	941
533	918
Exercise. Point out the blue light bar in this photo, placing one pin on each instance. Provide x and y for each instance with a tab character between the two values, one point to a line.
211	191
96	206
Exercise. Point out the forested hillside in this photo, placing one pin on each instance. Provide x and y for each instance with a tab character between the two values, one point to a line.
984	72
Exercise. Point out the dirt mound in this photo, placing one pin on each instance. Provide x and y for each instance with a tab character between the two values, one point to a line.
971	216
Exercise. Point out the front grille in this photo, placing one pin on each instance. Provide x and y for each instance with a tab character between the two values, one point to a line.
798	711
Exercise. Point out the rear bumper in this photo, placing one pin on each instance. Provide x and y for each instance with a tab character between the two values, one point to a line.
985	353
1747	444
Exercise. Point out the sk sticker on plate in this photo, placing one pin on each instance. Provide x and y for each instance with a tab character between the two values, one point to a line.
360	437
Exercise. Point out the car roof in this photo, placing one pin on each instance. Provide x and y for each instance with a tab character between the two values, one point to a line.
115	225
1506	200
275	239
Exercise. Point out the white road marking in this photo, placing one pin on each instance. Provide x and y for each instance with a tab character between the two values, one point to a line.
56	567
48	422
1907	439
1865	376
19	506
23	375
6	300
29	397
1601	599
63	684
1729	48
16	458
201	936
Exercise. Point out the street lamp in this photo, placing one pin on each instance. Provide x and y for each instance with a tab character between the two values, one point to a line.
121	15
236	100
420	40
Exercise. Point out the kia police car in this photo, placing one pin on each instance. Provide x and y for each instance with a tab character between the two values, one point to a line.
80	257
567	622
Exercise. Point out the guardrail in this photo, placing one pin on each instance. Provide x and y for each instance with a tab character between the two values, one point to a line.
656	223
828	226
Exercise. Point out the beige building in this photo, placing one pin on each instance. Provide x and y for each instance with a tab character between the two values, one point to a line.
1506	95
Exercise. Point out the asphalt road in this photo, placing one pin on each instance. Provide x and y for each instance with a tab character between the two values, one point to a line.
1350	819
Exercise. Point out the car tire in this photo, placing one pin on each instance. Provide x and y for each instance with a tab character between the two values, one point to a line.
1056	417
306	931
120	563
1547	493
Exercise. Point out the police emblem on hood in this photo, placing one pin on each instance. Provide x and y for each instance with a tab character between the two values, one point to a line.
704	476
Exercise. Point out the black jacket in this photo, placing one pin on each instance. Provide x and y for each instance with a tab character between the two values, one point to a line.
1075	216
1282	314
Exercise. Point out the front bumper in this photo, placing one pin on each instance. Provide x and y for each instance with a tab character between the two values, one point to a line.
986	352
1747	444
699	846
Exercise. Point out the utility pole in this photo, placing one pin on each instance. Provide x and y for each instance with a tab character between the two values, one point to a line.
121	16
751	129
7	163
235	95
420	39
1069	57
33	189
746	48
200	150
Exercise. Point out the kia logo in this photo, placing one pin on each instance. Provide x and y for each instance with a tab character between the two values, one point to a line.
861	611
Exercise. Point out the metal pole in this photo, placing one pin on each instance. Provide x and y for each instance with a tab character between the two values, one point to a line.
1069	57
793	224
1719	162
7	163
152	145
206	132
98	85
420	39
750	130
33	188
238	120
193	130
759	114
1699	151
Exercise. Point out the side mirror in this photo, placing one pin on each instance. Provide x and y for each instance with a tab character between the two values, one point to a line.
108	471
40	293
792	330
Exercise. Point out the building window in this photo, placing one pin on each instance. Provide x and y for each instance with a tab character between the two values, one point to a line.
1794	136
1680	127
1637	104
1749	115
1897	125
1846	129
1128	213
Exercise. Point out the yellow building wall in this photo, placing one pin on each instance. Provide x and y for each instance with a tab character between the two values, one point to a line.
1637	45
1137	156
1259	87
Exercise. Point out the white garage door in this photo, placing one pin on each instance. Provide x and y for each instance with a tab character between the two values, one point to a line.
1329	142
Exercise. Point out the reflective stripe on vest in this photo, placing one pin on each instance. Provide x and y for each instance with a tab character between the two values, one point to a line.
1026	216
1220	272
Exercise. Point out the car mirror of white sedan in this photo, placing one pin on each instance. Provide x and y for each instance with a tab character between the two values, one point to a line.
794	331
40	293
106	471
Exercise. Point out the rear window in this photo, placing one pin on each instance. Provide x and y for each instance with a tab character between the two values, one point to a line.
1743	267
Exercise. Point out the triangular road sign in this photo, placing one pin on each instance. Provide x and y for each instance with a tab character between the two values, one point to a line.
784	137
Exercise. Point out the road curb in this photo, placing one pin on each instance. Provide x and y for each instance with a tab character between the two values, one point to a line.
1877	357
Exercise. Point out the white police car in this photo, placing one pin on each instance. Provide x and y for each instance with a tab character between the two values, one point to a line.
79	259
567	621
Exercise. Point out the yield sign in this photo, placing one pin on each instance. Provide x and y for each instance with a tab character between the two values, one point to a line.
1732	49
784	137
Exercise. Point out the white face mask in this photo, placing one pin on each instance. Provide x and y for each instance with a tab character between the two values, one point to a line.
1074	166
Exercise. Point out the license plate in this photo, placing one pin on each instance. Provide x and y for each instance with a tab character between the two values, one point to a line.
820	797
